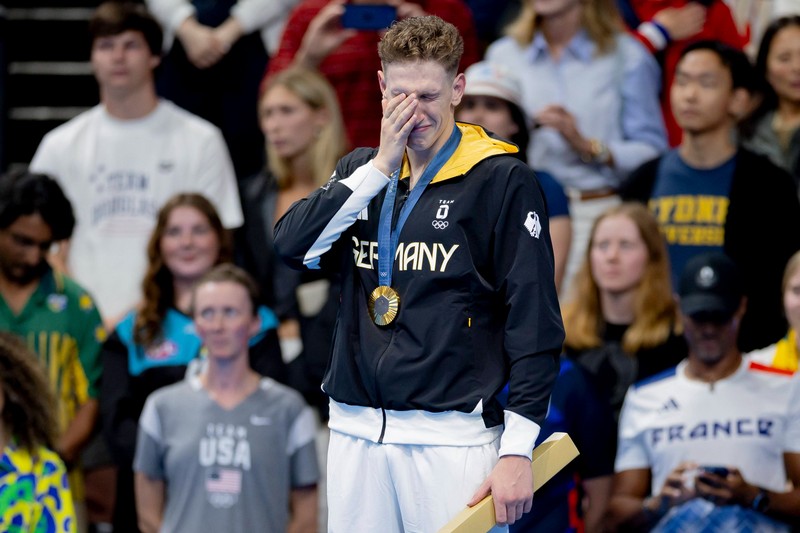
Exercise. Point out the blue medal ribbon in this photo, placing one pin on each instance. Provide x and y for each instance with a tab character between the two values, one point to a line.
387	239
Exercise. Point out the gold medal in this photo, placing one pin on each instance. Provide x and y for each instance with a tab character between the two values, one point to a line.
383	305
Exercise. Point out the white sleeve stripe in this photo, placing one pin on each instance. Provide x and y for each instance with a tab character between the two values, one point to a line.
653	34
365	182
302	432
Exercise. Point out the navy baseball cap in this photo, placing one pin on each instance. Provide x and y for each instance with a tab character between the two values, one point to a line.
710	286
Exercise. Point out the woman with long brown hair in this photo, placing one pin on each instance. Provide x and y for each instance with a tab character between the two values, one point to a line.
622	319
153	346
774	127
621	325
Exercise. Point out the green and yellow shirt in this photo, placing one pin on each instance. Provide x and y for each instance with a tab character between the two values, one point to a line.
60	323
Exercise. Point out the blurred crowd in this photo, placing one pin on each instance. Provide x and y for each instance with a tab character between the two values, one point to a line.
177	392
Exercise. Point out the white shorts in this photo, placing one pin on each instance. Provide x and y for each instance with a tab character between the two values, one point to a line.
397	488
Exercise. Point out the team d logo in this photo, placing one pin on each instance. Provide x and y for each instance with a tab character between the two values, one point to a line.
532	224
441	214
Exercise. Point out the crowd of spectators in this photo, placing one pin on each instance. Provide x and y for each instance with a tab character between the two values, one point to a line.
670	164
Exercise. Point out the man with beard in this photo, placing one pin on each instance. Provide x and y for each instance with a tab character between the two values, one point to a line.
713	442
55	317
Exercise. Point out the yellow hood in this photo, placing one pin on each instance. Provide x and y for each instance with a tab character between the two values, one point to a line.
475	146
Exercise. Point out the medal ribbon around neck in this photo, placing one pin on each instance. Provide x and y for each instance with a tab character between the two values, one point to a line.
384	302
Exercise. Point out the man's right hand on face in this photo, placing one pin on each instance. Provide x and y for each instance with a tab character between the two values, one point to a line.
396	125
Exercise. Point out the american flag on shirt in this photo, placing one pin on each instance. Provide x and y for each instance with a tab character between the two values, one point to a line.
227	480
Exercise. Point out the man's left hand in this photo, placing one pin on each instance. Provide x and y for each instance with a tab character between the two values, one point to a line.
511	485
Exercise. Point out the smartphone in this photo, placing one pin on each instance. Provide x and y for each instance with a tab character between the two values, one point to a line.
720	471
368	16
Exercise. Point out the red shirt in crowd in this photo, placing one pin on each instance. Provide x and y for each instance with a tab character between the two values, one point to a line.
719	25
352	68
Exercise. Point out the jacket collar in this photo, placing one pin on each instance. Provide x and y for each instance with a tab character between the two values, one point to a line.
475	146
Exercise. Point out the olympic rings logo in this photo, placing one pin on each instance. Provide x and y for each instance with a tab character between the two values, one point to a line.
440	224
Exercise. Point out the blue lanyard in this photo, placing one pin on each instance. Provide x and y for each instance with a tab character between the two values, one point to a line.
387	239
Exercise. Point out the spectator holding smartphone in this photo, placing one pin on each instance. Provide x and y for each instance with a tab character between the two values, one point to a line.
713	442
315	38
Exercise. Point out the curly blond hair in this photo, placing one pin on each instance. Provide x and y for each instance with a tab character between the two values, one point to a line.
422	39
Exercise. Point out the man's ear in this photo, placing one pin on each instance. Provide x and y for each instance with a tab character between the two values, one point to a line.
459	84
382	82
155	61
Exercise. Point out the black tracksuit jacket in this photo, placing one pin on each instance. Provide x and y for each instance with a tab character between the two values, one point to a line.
474	270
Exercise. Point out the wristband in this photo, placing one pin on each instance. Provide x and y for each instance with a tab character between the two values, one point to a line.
598	153
654	515
760	502
655	35
662	29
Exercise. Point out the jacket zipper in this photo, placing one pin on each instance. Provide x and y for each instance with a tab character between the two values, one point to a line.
383	427
378	390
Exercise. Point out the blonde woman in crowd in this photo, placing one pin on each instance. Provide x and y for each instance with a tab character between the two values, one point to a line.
592	92
299	115
621	323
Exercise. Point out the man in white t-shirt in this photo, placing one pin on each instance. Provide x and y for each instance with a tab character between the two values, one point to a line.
714	441
119	162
